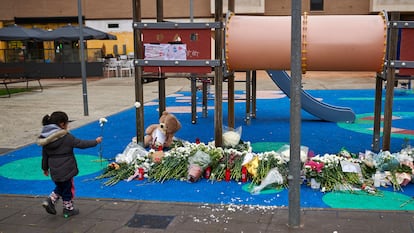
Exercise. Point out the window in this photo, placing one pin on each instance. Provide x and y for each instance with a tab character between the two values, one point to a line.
316	5
113	25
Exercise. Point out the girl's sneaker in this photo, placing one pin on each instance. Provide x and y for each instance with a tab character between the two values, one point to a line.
67	213
49	206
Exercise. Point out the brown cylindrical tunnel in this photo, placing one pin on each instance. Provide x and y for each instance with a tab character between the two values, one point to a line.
329	42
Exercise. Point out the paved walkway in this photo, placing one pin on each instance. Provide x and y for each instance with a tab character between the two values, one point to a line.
20	125
25	215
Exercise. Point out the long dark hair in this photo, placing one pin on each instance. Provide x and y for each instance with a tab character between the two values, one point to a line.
57	118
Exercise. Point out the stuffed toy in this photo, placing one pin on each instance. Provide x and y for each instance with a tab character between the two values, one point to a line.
162	134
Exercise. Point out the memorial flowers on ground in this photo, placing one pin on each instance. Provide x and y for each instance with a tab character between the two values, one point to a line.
395	169
341	171
334	171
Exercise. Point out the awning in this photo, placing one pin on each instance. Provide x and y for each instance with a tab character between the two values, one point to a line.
68	33
15	32
71	33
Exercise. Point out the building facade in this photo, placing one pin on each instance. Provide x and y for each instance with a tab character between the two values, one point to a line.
115	17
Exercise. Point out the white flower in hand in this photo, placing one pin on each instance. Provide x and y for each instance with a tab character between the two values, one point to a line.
102	121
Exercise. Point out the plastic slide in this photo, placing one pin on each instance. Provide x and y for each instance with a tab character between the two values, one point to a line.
311	105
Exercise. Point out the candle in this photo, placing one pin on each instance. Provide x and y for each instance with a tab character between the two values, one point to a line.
207	172
140	173
244	174
228	174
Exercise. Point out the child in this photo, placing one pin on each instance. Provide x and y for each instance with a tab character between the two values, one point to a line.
59	161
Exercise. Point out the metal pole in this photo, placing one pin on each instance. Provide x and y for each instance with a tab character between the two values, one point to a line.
231	6
390	75
254	88
193	80
295	117
82	61
377	114
191	11
205	86
218	77
161	81
139	95
230	84
248	96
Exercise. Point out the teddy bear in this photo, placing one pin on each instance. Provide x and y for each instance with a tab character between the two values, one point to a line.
162	134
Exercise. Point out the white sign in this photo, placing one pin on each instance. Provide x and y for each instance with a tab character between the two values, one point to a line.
165	51
350	167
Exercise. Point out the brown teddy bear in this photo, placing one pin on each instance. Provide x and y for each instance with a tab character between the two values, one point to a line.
162	134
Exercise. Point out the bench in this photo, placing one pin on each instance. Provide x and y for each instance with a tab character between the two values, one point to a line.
13	75
408	79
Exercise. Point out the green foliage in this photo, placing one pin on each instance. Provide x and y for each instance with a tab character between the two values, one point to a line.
3	91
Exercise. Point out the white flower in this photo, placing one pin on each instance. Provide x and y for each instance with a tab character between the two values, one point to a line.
231	138
137	104
404	157
102	121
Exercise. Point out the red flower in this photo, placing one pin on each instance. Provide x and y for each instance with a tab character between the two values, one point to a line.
315	166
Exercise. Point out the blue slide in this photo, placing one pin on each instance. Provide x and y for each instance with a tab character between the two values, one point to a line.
311	105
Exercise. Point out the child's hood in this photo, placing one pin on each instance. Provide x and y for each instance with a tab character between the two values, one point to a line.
50	133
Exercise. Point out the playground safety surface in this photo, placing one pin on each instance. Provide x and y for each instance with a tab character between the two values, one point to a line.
21	123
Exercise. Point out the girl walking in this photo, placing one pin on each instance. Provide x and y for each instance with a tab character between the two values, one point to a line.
59	161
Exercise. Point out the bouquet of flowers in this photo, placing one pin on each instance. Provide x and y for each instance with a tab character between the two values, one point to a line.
197	163
398	167
267	161
116	172
313	170
230	160
406	169
175	162
234	160
173	165
327	170
272	177
231	137
385	161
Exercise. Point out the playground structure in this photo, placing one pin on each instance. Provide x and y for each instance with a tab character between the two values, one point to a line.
329	43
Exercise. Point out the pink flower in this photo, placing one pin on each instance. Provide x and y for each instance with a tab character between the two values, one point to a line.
315	166
311	154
